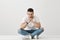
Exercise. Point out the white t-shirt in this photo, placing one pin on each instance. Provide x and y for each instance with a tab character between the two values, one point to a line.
30	25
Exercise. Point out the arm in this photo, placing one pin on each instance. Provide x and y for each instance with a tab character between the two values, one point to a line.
37	24
23	25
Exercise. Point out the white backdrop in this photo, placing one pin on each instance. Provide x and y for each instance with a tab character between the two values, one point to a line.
12	11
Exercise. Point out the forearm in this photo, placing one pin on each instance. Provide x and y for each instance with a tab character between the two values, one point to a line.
37	25
23	25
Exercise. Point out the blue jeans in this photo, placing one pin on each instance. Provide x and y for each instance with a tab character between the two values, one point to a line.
32	32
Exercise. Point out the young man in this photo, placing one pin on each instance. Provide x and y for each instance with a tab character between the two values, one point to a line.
30	25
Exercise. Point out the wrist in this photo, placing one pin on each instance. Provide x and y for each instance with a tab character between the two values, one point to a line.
26	22
34	22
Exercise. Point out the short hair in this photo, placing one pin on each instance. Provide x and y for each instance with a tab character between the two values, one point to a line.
30	10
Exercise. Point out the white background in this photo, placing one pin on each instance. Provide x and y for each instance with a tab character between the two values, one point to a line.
12	12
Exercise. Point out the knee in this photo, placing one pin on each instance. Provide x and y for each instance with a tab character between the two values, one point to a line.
19	31
22	32
41	30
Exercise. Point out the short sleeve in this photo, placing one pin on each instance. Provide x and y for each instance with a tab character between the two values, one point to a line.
23	20
37	19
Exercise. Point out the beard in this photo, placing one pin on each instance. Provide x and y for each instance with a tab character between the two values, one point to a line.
31	17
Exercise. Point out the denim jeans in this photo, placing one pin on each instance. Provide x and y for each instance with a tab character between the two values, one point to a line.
32	32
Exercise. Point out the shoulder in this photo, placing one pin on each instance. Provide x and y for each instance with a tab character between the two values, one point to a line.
24	18
36	17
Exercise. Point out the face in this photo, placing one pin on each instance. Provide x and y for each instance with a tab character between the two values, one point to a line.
30	14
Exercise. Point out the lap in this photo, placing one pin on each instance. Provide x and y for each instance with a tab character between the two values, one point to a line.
31	31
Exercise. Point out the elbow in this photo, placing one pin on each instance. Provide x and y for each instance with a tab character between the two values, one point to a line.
39	26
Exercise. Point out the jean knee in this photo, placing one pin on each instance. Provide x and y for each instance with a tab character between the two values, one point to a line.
22	32
19	31
41	29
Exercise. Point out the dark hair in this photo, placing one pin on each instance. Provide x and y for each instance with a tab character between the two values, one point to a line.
30	10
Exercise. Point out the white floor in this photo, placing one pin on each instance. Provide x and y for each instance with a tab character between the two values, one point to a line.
14	37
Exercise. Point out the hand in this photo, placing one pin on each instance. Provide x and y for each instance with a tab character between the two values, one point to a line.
28	21
33	21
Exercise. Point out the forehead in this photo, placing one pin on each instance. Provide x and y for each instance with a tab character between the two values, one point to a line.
29	12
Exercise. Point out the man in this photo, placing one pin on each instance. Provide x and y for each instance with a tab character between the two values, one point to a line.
30	25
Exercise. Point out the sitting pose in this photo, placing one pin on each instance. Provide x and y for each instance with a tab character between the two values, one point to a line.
30	25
